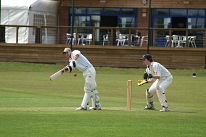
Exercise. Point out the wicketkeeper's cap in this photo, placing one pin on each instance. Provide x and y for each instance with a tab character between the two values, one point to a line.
66	50
146	56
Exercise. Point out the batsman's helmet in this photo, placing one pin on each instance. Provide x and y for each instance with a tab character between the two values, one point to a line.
66	50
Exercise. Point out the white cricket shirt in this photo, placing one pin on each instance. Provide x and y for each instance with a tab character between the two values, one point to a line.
156	68
81	63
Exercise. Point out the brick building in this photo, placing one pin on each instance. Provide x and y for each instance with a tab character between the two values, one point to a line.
189	14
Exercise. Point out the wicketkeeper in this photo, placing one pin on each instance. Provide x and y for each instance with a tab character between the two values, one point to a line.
79	61
163	80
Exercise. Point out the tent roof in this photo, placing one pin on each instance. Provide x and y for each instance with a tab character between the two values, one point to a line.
39	5
15	3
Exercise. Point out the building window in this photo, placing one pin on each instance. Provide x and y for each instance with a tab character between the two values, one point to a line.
196	12
128	11
160	11
179	12
180	18
94	10
162	22
126	22
112	11
78	10
170	18
81	21
195	23
122	17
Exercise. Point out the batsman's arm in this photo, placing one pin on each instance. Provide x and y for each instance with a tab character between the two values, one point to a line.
76	56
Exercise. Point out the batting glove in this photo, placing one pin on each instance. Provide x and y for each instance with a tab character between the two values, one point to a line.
69	68
72	64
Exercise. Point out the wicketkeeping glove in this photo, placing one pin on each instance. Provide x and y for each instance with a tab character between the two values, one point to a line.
150	76
141	82
146	76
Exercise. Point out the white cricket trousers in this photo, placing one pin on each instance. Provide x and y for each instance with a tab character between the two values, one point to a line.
159	86
90	88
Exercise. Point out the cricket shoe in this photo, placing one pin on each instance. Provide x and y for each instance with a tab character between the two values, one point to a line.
98	107
81	108
149	108
95	108
164	109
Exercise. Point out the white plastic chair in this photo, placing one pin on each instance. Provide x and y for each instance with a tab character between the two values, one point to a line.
180	41
125	40
121	40
74	39
144	39
105	39
175	39
167	37
84	37
68	38
192	41
89	38
183	40
80	39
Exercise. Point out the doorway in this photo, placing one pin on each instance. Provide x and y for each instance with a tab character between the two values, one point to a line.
179	22
108	21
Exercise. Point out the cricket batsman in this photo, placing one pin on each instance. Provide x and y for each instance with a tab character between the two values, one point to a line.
155	70
79	61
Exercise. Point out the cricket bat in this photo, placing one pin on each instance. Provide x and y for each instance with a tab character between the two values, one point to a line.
58	73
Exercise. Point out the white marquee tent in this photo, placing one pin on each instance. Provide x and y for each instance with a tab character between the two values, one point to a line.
29	12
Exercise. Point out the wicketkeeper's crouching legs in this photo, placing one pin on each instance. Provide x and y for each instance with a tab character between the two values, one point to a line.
163	84
161	97
149	98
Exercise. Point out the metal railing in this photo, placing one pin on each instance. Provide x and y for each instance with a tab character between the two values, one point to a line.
58	35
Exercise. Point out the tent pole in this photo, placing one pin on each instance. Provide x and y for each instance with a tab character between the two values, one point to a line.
72	23
0	11
149	23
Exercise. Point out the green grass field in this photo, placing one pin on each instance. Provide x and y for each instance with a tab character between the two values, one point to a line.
32	105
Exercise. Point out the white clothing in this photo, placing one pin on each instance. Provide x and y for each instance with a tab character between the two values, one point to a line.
81	63
90	88
156	68
159	85
89	74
